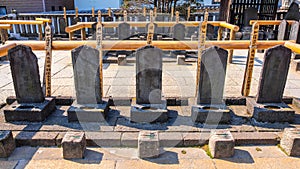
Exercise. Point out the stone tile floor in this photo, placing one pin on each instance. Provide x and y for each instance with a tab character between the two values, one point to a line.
259	157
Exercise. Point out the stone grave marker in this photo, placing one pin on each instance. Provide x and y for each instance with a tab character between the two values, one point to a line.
148	144
149	105
123	31
294	33
268	105
109	31
210	107
89	105
31	105
221	144
293	12
178	31
62	25
283	31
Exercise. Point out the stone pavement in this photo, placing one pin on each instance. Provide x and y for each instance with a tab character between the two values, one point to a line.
259	157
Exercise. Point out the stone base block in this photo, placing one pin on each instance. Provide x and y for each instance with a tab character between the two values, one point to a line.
33	112
221	144
148	144
270	112
74	145
180	59
7	144
149	113
122	60
88	112
206	113
290	141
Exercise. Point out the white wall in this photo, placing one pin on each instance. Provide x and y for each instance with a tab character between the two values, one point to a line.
97	4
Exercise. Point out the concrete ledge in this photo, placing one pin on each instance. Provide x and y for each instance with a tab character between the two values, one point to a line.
88	112
103	139
74	145
64	100
195	139
270	112
210	114
43	139
256	138
33	112
170	139
129	139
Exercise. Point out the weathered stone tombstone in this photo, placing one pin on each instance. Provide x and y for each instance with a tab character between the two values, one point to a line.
294	33
148	144
221	144
62	25
89	105
293	12
109	31
210	107
31	105
149	105
249	14
268	105
7	144
283	31
290	141
123	31
178	31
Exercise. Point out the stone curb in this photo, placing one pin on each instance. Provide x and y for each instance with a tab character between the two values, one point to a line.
130	139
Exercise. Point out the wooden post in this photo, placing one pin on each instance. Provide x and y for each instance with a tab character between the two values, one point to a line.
40	32
230	52
125	16
93	12
188	13
3	35
250	60
76	12
155	12
48	60
83	34
99	35
150	29
220	33
109	12
145	11
201	46
65	14
172	13
177	17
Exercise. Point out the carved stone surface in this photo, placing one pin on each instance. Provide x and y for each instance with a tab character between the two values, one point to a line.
25	73
179	31
123	31
85	61
148	75
274	75
283	31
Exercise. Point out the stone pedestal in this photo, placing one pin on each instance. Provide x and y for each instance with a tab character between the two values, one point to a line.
88	112
206	113
149	113
74	145
270	112
7	144
180	59
33	112
290	141
221	144
148	144
122	60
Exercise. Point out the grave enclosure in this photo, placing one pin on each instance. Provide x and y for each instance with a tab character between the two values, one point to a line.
149	107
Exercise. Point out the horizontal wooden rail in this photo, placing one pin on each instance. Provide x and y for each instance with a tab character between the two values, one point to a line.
4	48
5	26
133	45
229	26
21	22
269	22
45	20
78	26
293	46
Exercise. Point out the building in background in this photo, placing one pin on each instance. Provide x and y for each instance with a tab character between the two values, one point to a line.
97	4
22	6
